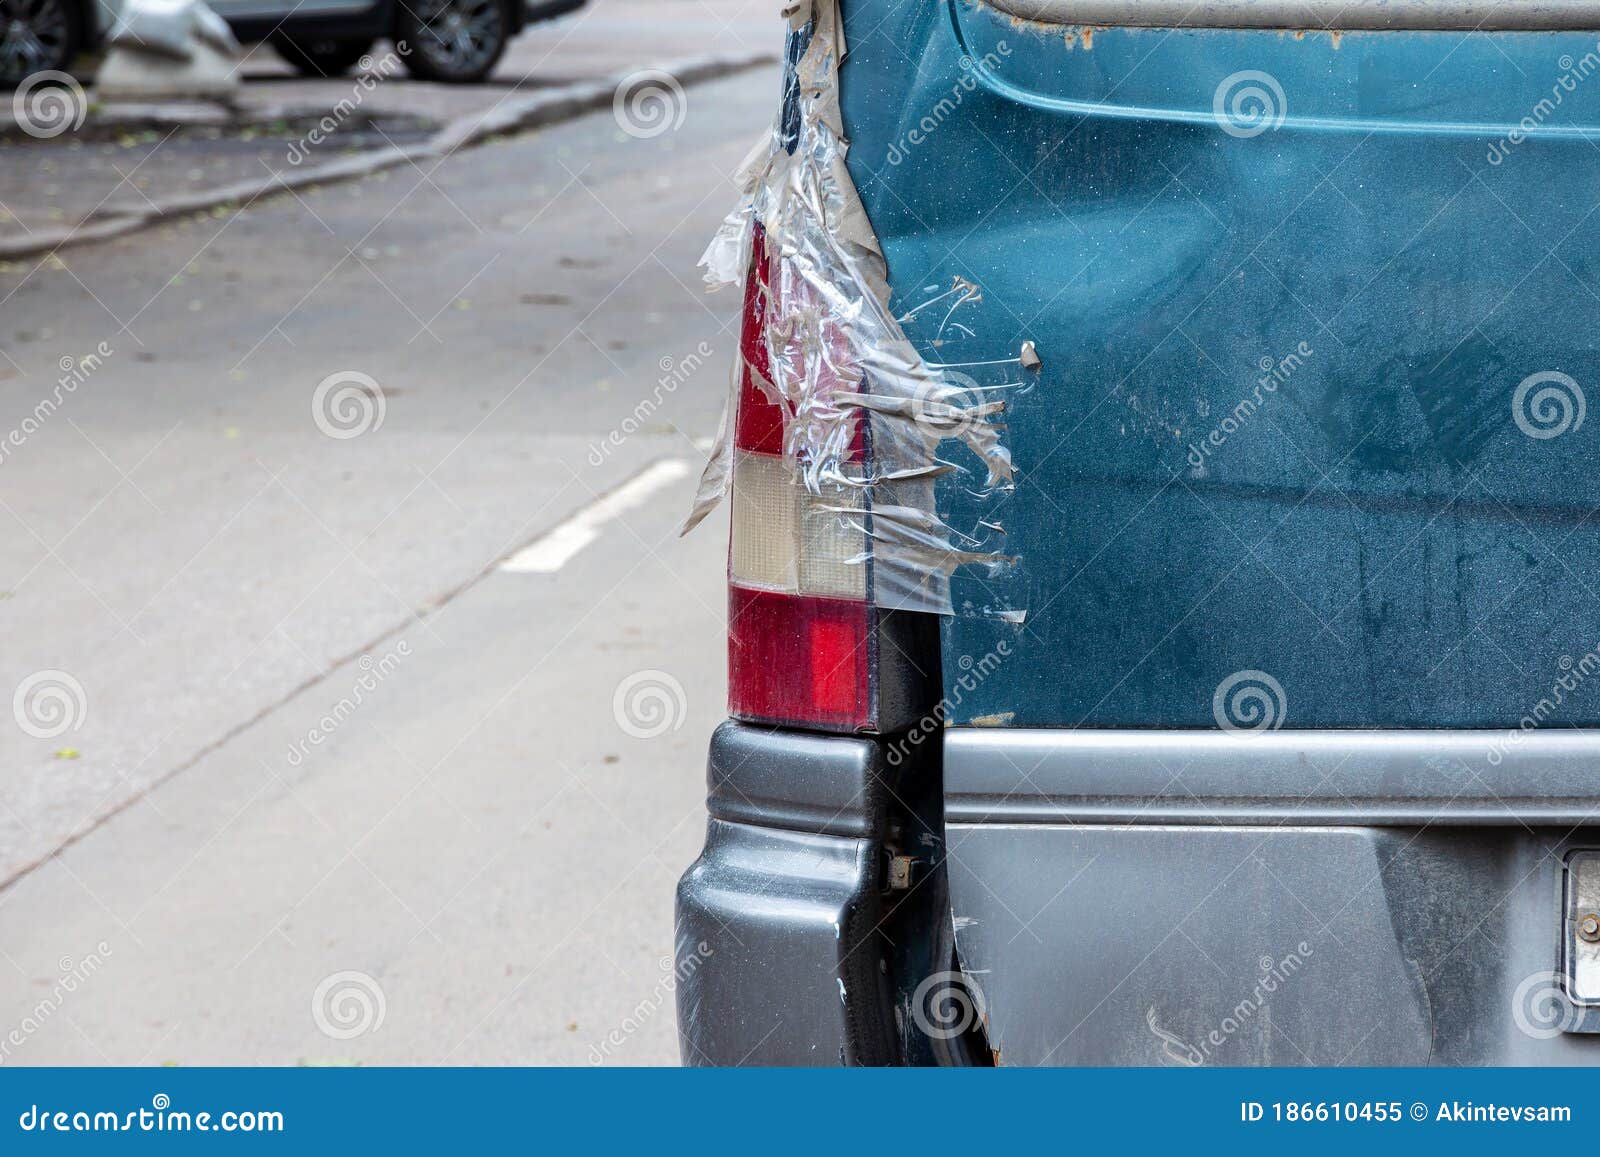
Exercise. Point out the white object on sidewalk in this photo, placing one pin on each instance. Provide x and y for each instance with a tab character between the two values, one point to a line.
169	49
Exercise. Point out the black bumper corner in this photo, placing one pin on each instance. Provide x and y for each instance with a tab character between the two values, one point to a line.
774	956
794	947
779	961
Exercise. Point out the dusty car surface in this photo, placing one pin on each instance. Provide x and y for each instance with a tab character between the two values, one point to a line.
1163	620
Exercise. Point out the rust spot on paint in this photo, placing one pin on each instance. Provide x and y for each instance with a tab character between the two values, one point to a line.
1002	719
1334	35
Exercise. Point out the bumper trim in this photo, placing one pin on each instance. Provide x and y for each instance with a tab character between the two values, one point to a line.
1316	778
824	785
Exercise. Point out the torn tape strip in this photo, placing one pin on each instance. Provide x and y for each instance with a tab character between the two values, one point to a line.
863	415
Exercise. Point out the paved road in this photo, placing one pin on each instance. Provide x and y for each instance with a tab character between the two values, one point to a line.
127	157
321	730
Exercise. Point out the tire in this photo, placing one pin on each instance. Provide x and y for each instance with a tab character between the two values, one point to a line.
315	57
452	41
38	36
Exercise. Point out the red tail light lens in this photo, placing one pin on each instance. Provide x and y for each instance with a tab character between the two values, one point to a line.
801	626
800	660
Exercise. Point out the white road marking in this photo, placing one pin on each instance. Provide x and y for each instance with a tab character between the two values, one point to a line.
555	548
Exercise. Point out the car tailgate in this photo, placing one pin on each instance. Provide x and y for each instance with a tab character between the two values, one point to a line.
1314	313
1266	744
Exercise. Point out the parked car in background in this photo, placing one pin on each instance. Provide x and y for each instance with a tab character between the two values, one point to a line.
453	41
1257	724
46	35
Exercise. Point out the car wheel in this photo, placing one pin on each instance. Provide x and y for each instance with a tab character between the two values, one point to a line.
319	57
37	36
455	41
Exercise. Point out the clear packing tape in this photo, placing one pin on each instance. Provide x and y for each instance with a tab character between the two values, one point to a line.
839	359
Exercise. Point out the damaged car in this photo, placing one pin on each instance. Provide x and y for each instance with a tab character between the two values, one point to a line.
1162	620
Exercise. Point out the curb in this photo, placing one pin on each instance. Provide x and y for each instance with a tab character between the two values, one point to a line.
539	109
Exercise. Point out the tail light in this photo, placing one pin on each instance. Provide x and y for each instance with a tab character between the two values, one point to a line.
802	630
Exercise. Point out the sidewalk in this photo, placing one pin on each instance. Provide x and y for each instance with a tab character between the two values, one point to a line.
129	165
482	835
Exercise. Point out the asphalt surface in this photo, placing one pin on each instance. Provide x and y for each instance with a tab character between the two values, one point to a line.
323	782
126	157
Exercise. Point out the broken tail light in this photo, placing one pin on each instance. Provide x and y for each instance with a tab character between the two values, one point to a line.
802	630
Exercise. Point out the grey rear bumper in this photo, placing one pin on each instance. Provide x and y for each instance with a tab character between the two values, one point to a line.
797	943
1333	898
1139	898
